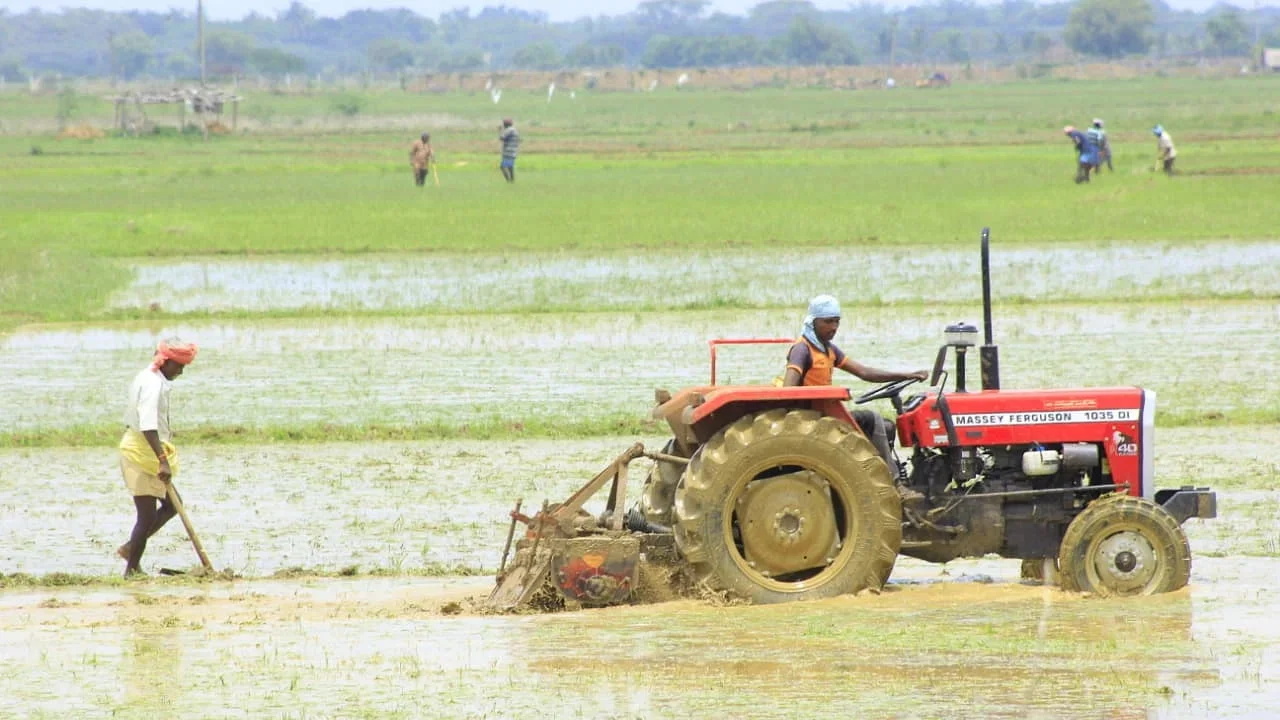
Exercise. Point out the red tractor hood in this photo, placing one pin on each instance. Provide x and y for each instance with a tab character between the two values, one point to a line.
1023	416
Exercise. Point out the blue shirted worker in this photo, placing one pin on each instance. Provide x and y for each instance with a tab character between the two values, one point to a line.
510	146
1087	159
1099	137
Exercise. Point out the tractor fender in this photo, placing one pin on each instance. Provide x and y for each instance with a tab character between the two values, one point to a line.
718	407
1189	502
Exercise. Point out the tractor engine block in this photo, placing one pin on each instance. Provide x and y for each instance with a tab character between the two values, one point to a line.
979	516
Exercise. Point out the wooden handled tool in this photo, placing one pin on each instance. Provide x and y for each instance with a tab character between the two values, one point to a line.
186	523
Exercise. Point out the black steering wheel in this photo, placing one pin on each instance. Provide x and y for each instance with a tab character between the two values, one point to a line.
887	390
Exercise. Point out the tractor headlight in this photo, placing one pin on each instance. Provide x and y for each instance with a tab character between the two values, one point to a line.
961	335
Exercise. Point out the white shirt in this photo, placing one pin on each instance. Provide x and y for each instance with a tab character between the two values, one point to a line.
148	407
1165	144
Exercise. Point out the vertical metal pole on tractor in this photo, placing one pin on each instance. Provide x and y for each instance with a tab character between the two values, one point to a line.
989	353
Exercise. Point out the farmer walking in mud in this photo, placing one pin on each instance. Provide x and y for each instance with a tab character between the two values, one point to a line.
420	157
1099	137
148	460
510	147
814	356
1087	153
1165	151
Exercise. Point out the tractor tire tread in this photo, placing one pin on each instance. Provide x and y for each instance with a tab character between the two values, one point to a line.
1166	537
709	481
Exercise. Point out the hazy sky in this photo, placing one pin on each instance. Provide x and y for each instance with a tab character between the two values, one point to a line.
556	9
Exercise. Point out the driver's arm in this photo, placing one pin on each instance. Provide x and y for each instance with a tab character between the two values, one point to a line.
875	375
798	362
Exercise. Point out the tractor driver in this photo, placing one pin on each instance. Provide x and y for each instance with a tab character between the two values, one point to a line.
814	356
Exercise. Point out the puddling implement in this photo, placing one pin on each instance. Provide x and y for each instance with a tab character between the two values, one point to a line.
588	560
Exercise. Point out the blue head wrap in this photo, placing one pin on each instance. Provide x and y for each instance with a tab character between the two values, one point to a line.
822	306
1157	131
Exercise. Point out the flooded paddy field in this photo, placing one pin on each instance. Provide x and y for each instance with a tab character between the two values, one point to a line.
563	338
744	278
1204	358
434	506
374	648
961	640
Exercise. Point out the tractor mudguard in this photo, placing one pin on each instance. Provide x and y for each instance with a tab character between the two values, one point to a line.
1189	502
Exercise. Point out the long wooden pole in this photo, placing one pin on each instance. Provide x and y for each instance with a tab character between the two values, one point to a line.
191	530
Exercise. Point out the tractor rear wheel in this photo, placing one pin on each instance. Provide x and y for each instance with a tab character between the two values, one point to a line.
1123	545
788	505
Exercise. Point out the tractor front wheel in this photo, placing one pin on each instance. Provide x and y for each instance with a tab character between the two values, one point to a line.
788	505
1121	545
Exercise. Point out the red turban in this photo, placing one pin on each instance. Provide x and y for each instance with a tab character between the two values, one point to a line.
175	350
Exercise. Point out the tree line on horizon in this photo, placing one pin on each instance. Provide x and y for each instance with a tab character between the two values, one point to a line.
657	34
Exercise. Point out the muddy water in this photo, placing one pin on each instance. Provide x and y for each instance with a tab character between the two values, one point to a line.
1200	356
961	640
684	278
407	506
945	647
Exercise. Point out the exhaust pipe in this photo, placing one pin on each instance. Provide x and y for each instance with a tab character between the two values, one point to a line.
989	353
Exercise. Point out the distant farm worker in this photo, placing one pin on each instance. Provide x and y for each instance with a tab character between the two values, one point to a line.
420	157
148	459
1087	153
510	147
813	357
1099	137
1165	150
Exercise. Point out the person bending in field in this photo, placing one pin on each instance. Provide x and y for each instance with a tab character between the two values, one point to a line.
510	147
813	357
148	459
1099	138
1087	153
420	157
1165	152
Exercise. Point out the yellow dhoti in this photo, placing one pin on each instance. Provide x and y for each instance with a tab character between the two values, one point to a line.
140	466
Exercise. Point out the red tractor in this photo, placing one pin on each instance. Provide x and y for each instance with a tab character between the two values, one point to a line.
775	493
